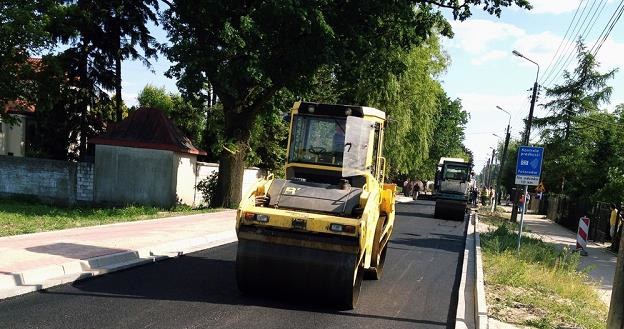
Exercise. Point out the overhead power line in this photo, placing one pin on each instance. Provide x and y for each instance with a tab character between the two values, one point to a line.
617	14
562	40
568	43
601	38
583	31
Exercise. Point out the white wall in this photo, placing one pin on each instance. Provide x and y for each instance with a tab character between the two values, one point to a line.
127	175
12	138
204	169
185	184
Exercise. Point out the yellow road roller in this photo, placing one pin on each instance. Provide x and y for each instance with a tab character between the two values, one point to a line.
326	225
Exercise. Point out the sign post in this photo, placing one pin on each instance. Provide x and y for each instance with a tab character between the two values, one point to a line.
528	172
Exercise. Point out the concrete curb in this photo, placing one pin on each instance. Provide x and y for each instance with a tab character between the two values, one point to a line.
480	302
465	315
53	275
471	304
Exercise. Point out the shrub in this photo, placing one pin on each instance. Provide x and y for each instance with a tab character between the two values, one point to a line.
208	188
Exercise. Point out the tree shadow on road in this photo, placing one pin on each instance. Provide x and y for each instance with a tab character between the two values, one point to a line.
202	278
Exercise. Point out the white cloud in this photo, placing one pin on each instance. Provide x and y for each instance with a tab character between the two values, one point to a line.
487	40
478	35
489	56
538	47
610	55
554	6
486	120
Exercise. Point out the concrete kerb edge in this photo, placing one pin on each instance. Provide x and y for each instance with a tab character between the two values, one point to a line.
463	317
481	304
49	276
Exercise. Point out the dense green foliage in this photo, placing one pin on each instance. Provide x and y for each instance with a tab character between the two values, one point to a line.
583	143
126	30
82	43
248	52
240	66
22	35
190	119
424	123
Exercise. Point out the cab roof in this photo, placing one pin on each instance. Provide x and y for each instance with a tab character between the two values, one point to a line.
338	110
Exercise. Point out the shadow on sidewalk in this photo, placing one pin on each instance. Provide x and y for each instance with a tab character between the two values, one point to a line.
74	250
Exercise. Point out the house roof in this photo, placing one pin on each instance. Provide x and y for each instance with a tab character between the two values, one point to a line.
19	107
147	128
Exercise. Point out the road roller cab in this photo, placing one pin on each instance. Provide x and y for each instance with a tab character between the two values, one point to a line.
326	224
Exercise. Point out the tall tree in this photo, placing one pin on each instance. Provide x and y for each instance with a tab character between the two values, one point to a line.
22	35
248	51
582	91
568	134
90	69
411	98
448	133
155	97
126	29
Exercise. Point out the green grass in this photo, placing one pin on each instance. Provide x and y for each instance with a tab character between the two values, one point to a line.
20	216
540	286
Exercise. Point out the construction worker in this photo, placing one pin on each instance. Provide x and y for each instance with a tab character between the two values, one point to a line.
614	224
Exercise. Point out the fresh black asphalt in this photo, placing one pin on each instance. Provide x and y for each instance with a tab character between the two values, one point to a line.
418	290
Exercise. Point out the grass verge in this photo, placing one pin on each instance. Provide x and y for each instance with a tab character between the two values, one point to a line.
20	216
538	287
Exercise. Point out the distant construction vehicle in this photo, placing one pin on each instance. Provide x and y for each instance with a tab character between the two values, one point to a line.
327	224
451	188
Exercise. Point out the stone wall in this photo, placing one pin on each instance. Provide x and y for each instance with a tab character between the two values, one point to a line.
84	181
119	176
47	180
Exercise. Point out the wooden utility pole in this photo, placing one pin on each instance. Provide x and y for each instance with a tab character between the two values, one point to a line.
616	309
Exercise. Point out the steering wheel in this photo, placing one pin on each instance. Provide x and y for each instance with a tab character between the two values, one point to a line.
318	150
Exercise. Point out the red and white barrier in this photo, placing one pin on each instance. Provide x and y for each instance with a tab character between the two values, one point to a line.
581	236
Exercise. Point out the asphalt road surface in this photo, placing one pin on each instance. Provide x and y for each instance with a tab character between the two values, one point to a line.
418	290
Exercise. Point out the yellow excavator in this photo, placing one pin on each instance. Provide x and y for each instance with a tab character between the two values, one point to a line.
326	225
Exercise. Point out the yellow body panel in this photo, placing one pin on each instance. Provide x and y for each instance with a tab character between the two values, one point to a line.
376	199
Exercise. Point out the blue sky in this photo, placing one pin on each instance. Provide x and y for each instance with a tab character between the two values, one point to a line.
483	71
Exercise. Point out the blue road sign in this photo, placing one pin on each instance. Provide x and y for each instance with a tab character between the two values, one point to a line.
529	165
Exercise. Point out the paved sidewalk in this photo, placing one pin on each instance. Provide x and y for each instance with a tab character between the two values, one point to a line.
37	261
601	261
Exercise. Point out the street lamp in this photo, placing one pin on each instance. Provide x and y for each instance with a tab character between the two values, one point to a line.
530	120
514	212
502	159
508	114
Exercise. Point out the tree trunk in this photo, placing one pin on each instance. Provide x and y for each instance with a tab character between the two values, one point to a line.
118	100
84	98
237	130
230	182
